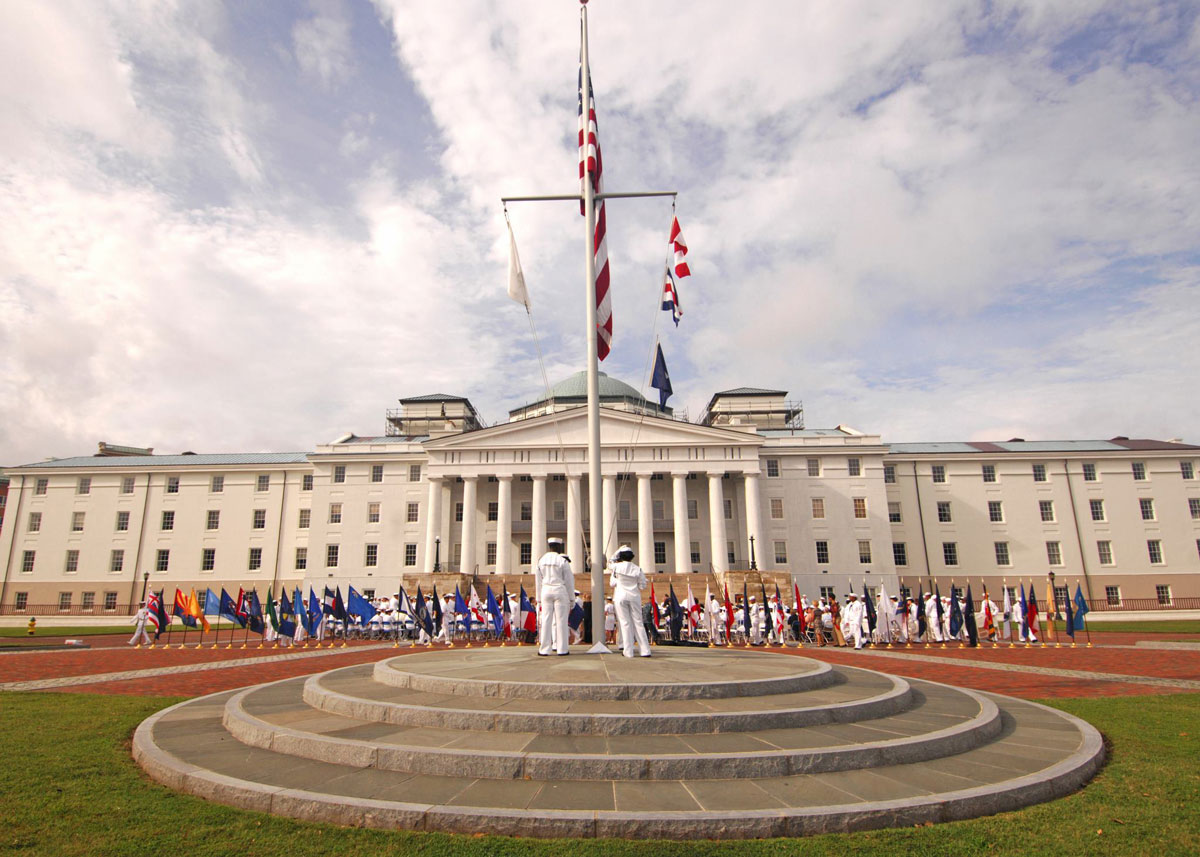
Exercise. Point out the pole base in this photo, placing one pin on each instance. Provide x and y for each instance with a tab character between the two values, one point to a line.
599	649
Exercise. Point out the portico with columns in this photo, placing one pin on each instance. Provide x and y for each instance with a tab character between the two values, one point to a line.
685	496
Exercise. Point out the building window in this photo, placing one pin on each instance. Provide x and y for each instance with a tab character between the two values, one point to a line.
35	522
776	508
64	601
84	486
122	522
1046	510
1104	551
827	593
1139	471
410	554
168	520
560	510
894	516
255	562
730	554
260	519
376	472
900	553
864	552
943	512
659	510
335	513
1039	473
40	487
860	507
371	559
493	511
162	561
1154	548
781	553
77	519
526	510
27	559
339	473
1054	553
414	473
660	553
110	601
989	473
217	485
305	519
1089	472
72	564
854	466
213	521
1147	507
1163	592
88	600
728	509
373	513
772	468
1187	470
526	553
996	511
695	557
1002	557
127	485
822	553
950	553
939	472
1097	507
1112	595
412	513
208	559
889	474
172	484
814	467
818	507
1194	507
116	561
331	556
490	554
301	559
624	510
306	482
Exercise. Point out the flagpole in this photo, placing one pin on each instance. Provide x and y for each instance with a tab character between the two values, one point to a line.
595	502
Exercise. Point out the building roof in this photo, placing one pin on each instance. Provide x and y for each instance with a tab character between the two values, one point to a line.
787	432
575	387
749	391
384	438
1033	446
434	397
210	460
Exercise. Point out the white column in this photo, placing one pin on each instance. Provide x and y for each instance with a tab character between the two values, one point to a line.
504	525
470	513
575	524
754	521
433	520
683	538
610	516
539	517
645	507
716	521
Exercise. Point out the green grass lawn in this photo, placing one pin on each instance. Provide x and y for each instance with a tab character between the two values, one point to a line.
69	787
1150	626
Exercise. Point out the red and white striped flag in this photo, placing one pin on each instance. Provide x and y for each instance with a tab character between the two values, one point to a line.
679	249
591	166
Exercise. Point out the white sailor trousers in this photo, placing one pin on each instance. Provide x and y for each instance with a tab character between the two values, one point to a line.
556	608
629	613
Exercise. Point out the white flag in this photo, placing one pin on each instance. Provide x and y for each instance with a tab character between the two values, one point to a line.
516	277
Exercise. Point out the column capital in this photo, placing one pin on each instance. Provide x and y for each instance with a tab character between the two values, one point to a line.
470	477
500	477
538	477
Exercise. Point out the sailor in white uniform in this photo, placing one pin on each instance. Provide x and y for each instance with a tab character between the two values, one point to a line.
627	581
555	583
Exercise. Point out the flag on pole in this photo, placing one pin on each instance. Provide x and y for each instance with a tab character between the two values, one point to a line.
728	613
506	609
956	614
516	277
358	606
493	610
181	609
654	605
679	249
195	612
1081	608
528	617
228	610
1051	613
922	620
315	613
1070	617
661	379
272	616
462	609
1031	617
670	296
287	616
254	612
591	168
158	612
212	604
969	618
422	616
1005	630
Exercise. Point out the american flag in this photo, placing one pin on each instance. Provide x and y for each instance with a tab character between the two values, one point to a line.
591	164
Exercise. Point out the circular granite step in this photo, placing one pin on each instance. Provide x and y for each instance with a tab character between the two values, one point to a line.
1034	755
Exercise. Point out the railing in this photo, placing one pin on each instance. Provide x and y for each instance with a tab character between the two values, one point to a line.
123	608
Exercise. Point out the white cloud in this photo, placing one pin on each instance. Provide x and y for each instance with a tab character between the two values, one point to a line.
322	44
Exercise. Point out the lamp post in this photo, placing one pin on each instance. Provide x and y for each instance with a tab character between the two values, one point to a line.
145	583
437	554
753	564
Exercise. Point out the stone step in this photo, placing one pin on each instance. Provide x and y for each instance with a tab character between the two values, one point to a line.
942	721
741	673
1039	754
854	695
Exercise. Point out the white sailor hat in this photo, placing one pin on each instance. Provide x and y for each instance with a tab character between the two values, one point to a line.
554	540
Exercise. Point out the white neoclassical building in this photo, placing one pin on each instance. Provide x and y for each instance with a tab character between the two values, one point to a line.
744	487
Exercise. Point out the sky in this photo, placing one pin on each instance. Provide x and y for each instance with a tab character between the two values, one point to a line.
257	226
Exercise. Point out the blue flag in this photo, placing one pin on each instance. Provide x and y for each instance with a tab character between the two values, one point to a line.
212	604
922	621
301	613
969	619
422	609
358	606
1081	608
1070	617
314	613
661	379
228	609
956	616
287	617
256	612
494	612
872	618
460	607
437	608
